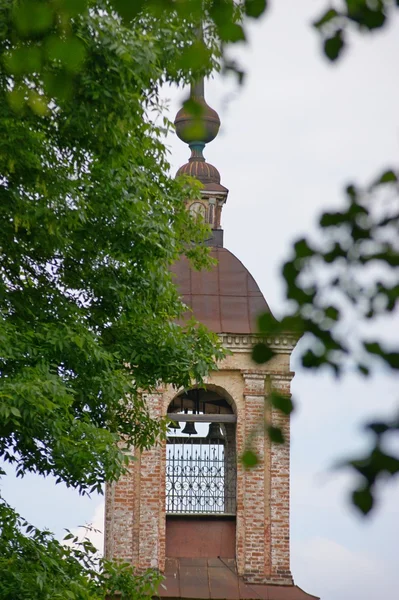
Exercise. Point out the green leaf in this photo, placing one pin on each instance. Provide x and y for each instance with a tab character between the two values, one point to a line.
368	17
16	99
387	177
331	219
38	103
195	57
231	32
334	45
128	10
267	323
310	360
282	403
302	249
332	313
33	17
249	459
363	370
389	463
69	52
275	434
255	8
222	12
328	16
363	500
290	273
378	428
351	192
392	358
59	85
74	8
261	353
24	59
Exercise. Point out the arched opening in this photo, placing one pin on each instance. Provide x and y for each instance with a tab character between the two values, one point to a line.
201	475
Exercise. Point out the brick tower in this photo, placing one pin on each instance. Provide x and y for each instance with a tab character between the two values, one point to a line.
188	507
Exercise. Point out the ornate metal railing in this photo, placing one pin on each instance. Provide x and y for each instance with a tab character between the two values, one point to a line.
200	477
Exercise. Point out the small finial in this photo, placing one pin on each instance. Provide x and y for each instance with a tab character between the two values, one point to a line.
197	89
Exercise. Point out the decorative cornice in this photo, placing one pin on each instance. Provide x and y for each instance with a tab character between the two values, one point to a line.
280	344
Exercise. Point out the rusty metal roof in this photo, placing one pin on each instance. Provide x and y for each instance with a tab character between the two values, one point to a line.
226	299
200	169
217	579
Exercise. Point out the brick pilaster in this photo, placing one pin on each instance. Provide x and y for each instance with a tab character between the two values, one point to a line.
280	489
254	498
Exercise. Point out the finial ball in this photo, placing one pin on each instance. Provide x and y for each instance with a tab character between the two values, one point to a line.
203	127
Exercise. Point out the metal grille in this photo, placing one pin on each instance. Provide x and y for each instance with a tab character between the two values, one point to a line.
200	477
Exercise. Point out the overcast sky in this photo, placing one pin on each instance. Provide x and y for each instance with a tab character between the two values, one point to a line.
291	138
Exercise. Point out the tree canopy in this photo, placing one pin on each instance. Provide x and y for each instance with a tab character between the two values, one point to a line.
90	224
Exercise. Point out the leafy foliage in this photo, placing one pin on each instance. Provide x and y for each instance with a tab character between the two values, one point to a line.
35	566
365	15
336	286
45	39
377	465
90	223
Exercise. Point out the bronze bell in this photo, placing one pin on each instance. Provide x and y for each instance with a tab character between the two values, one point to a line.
173	425
214	432
190	428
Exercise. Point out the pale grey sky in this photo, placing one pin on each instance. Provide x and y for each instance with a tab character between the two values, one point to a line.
291	138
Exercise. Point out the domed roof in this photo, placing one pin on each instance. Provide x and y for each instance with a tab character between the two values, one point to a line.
226	299
202	170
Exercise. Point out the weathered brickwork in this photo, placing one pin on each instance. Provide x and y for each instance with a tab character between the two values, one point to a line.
280	490
135	505
121	516
254	499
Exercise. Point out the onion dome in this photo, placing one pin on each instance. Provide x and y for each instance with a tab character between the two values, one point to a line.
200	169
203	171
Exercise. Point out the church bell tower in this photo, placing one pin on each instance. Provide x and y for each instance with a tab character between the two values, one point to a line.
188	506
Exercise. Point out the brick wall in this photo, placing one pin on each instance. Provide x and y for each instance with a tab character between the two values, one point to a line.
135	505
